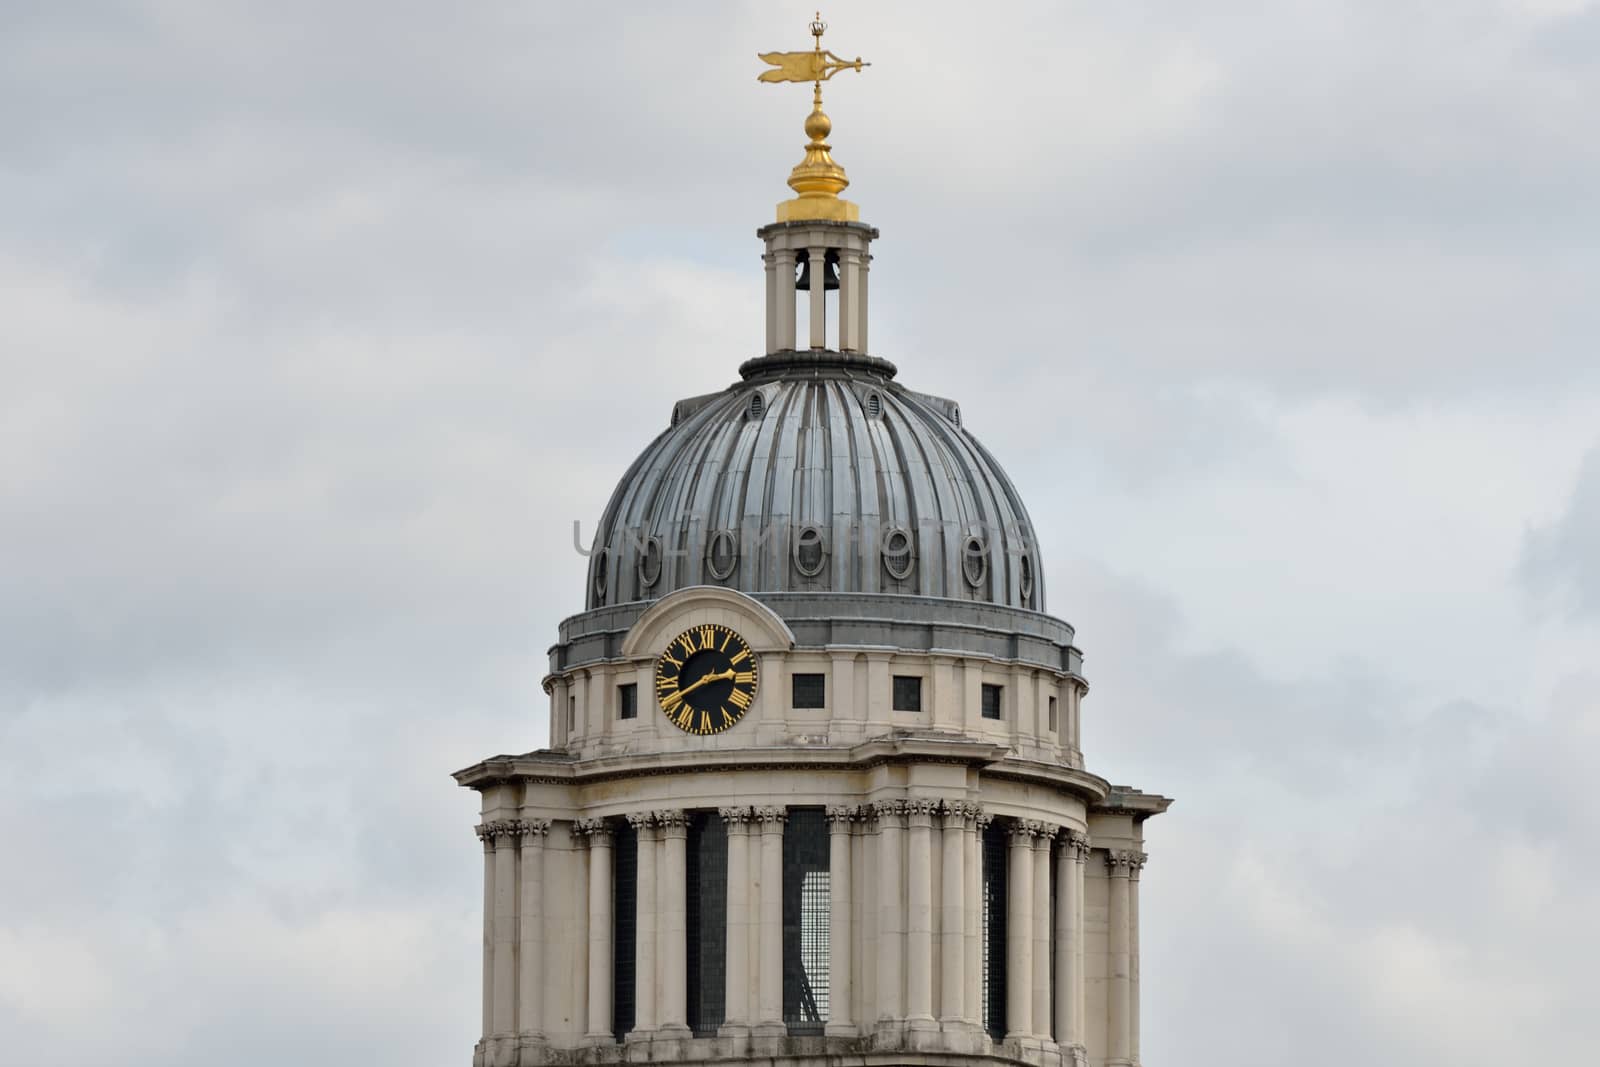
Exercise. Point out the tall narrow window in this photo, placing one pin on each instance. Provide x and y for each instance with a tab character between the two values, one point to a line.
628	701
1053	724
805	920
994	930
624	924
708	923
572	714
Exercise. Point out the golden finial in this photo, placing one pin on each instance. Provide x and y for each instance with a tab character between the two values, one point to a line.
817	178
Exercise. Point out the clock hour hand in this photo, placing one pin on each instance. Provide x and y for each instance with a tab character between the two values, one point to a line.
715	676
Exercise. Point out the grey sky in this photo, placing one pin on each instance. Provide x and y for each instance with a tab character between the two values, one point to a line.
323	322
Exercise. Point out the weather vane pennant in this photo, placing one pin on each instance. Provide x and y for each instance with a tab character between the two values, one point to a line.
816	65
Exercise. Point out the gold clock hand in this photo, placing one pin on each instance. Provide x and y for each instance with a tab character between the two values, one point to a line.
715	676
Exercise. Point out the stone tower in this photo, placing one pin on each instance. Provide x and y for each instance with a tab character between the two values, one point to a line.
814	790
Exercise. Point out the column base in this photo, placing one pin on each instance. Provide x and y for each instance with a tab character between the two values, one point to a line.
841	1029
533	1049
602	1040
674	1032
770	1029
734	1030
502	1050
922	1023
636	1036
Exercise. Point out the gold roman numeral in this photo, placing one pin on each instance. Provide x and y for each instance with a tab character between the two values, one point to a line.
740	699
727	720
668	657
684	717
745	678
687	641
743	653
705	722
708	637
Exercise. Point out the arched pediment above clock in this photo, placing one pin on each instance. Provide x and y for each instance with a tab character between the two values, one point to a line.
699	605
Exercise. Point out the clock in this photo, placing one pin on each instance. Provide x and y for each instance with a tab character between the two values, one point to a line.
706	679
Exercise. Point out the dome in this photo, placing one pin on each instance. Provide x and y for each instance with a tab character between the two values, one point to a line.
817	473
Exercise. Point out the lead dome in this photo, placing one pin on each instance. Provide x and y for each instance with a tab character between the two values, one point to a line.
817	475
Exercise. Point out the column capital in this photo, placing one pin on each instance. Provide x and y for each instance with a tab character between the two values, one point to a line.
840	816
771	818
673	822
597	832
1124	862
889	812
920	812
982	818
533	830
1078	843
1137	864
507	831
734	816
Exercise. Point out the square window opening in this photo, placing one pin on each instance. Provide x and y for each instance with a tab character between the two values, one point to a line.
991	701
907	692
810	691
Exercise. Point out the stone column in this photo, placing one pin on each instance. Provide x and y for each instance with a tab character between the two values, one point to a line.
1069	938
737	997
861	312
974	822
645	998
1134	870
672	931
1041	932
919	914
891	915
530	926
819	293
952	915
485	832
1019	933
770	261
785	295
598	834
1119	1047
769	1013
840	978
849	301
507	838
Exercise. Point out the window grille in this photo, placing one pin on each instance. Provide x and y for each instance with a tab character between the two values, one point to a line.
805	921
628	701
624	925
994	929
810	691
708	923
991	701
907	692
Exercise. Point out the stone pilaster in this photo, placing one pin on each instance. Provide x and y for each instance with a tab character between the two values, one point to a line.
530	927
769	1008
740	877
646	1015
507	835
672	985
1019	932
891	815
1119	1017
919	913
1134	870
840	976
597	833
486	836
1069	941
952	915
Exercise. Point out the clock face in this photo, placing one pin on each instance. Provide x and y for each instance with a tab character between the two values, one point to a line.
706	679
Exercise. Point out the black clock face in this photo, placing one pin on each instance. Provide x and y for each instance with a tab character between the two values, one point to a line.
706	679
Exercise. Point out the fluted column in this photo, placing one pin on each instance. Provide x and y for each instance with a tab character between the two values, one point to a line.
952	915
1119	1047
1019	933
598	834
672	931
919	913
1041	931
974	823
507	838
530	928
1069	938
841	980
891	913
737	988
819	292
769	1014
1135	868
645	1014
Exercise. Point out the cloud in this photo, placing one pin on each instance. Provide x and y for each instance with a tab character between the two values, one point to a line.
1561	560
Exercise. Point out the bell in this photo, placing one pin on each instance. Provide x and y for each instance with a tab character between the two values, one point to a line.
830	277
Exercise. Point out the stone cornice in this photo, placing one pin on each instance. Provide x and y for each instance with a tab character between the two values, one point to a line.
1124	800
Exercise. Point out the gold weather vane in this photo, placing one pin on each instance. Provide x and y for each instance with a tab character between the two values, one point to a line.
817	179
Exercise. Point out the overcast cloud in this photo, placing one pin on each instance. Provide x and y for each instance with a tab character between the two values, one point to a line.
320	324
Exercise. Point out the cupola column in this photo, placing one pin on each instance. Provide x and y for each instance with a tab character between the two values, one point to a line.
817	256
770	259
850	280
782	327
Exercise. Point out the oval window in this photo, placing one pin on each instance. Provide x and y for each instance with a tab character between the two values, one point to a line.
650	562
810	551
758	407
974	560
1025	569
602	564
898	559
722	554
